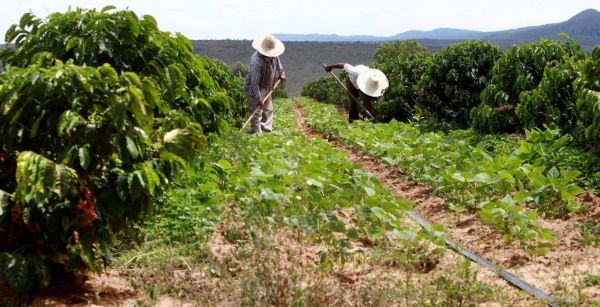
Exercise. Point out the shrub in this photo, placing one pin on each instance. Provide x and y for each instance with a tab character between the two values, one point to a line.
454	81
519	71
403	73
327	90
587	93
100	112
398	48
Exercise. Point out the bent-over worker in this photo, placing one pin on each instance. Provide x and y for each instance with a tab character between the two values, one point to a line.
363	83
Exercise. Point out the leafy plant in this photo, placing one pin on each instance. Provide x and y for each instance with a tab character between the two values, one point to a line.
452	85
326	90
469	176
398	48
404	73
587	92
100	113
518	71
126	43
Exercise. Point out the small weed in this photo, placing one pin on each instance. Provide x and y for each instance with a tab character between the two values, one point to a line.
464	290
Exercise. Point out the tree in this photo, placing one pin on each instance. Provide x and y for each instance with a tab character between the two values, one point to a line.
240	69
390	50
454	81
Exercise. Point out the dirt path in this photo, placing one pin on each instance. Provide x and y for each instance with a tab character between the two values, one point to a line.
562	272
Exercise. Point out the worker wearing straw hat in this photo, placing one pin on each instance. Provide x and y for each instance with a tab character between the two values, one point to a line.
264	68
363	83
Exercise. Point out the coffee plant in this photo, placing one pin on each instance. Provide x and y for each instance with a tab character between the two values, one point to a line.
100	112
398	48
327	90
126	43
404	73
454	81
587	92
519	71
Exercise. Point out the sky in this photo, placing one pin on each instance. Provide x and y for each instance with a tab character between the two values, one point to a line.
248	19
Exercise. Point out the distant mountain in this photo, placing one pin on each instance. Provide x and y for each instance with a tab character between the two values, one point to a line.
441	33
583	27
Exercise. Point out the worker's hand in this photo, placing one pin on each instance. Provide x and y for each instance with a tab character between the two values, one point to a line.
327	68
261	104
282	78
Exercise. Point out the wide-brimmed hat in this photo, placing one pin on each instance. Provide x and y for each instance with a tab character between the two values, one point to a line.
268	45
372	82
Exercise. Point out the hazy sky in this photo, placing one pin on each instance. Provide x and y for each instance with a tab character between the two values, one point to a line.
247	19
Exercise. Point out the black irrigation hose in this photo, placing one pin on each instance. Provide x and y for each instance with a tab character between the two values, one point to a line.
551	301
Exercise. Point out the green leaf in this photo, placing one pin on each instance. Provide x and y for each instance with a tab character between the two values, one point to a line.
34	128
352	234
313	182
63	180
26	20
574	190
65	222
542	249
482	178
370	192
458	177
526	147
74	42
225	164
389	161
404	235
554	173
108	8
84	157
336	224
133	24
68	121
132	147
570	174
122	187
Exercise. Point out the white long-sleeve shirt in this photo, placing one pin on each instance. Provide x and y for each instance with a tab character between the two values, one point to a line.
354	71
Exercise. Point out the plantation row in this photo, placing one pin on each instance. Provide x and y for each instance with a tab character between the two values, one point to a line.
476	85
496	183
283	178
294	216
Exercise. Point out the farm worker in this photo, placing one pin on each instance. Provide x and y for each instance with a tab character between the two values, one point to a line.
264	68
363	83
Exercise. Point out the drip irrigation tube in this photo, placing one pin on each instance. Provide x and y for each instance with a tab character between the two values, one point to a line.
521	284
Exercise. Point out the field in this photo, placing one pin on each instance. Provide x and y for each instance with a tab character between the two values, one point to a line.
274	234
126	179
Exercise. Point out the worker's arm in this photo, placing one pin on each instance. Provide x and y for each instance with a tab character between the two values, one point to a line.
329	67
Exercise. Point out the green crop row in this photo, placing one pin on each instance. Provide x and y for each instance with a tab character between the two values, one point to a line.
475	84
283	179
508	190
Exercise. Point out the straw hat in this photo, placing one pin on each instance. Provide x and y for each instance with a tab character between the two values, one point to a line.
372	82
268	46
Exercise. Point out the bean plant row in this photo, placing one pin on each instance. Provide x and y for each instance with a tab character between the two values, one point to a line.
507	189
283	179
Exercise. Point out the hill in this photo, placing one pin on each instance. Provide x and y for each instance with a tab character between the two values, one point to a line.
583	27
